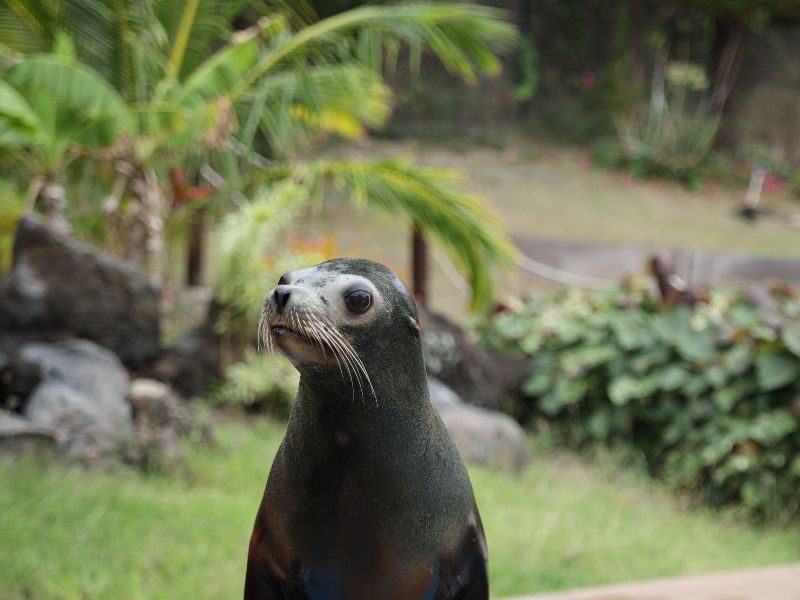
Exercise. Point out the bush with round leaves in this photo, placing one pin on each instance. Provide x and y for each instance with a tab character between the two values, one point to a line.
710	395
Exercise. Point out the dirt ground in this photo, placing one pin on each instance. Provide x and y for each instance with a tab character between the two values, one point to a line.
547	191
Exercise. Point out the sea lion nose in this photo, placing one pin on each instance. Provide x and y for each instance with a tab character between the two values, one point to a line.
281	295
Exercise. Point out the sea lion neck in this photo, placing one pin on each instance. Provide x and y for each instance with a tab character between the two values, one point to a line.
343	403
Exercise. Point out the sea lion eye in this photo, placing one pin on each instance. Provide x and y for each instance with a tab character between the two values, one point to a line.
282	280
358	301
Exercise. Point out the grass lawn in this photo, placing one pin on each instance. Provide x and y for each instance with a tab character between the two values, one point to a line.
67	533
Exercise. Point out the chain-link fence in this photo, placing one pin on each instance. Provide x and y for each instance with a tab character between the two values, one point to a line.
763	115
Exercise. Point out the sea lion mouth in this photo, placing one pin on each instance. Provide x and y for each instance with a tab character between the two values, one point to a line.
309	337
283	330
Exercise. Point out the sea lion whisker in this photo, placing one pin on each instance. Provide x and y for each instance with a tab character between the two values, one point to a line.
348	349
336	347
344	347
265	335
305	330
316	326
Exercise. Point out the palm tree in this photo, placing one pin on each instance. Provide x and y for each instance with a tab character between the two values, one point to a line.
242	111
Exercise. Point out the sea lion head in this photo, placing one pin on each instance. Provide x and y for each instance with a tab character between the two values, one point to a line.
348	315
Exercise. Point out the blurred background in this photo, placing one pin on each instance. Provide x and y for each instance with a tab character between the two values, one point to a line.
595	204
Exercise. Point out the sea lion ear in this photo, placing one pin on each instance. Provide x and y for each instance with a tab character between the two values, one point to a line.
413	326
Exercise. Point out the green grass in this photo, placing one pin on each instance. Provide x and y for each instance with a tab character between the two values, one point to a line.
68	533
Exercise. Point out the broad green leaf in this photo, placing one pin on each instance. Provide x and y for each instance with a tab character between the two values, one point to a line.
739	358
15	109
772	427
570	391
537	384
624	389
775	370
716	376
550	404
631	329
66	83
675	327
673	377
727	397
791	337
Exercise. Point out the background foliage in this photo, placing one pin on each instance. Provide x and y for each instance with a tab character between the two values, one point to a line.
708	395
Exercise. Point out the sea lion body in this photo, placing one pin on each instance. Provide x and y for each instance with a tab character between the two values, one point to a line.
367	496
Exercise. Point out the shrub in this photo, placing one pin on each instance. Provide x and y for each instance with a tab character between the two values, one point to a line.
674	132
710	396
256	384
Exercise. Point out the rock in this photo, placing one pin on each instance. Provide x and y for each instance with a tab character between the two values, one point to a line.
479	377
161	419
193	361
156	406
20	436
484	437
17	379
82	397
60	286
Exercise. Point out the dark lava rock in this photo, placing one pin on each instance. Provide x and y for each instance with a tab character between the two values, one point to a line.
193	362
484	437
161	419
481	378
20	436
59	286
82	397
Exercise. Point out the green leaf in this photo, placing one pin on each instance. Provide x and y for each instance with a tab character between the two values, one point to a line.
727	397
537	384
468	229
624	389
580	360
67	84
675	327
570	391
791	337
550	404
775	371
739	358
772	427
674	377
631	329
716	376
15	109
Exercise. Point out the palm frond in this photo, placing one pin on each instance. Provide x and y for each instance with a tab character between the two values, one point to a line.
21	30
219	73
15	111
241	241
469	231
67	83
192	36
464	37
342	99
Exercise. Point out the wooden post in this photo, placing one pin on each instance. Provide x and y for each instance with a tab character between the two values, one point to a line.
525	29
419	261
194	264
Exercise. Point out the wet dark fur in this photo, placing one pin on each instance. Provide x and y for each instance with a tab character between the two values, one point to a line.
368	499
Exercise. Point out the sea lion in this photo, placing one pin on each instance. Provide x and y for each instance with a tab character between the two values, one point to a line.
367	496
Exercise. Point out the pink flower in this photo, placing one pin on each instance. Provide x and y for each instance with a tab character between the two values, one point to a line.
588	80
773	183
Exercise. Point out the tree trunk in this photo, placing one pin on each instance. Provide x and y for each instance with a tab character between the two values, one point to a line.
525	28
194	263
726	59
145	230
